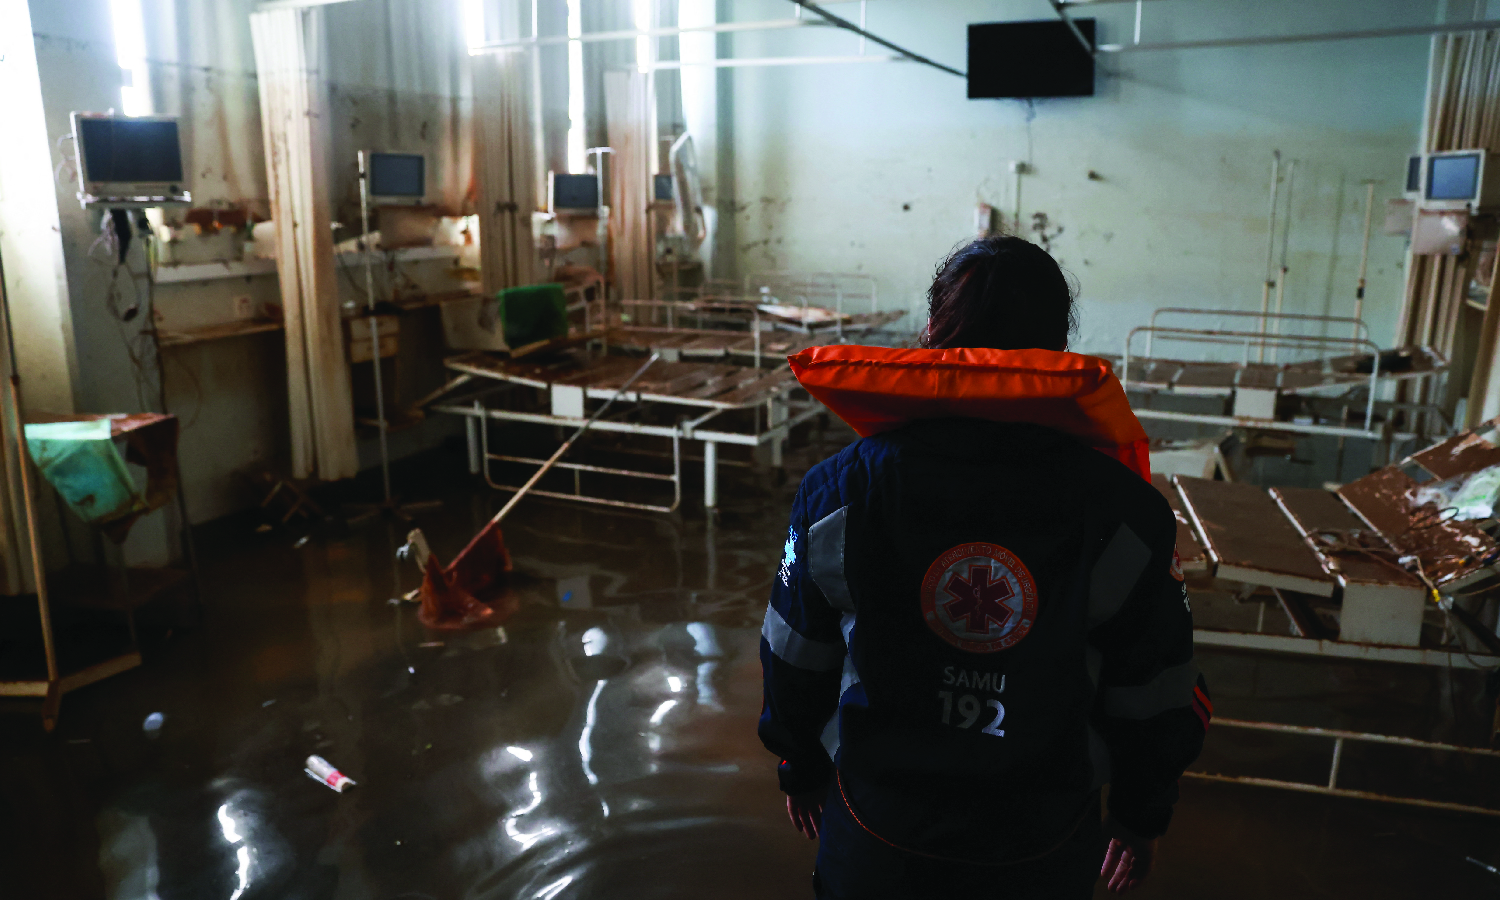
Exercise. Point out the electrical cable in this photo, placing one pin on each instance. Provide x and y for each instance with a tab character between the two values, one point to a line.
850	26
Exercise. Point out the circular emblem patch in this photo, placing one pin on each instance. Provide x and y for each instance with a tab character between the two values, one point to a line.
979	598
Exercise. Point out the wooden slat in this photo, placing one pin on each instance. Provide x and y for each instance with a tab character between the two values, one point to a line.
1153	372
1459	455
1448	550
1314	510
756	390
1205	378
728	382
1250	539
1261	376
1190	552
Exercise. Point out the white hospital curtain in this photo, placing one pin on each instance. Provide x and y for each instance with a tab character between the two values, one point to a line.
201	68
288	52
630	109
504	169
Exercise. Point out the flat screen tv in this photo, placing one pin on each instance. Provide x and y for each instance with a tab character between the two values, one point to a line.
1030	59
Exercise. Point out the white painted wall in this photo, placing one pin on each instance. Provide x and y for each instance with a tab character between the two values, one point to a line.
827	157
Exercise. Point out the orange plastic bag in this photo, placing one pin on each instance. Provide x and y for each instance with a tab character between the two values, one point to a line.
875	389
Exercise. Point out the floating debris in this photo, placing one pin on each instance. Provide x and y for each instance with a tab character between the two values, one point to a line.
320	769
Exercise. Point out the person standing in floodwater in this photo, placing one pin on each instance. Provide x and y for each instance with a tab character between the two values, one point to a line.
979	620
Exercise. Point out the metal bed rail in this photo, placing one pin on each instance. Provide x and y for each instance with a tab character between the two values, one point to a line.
782	415
1332	788
1361	330
1236	338
750	310
832	287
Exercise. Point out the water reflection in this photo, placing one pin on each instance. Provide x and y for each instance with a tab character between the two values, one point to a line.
487	798
526	840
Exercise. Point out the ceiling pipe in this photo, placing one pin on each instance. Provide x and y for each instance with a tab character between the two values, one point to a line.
1405	31
847	25
632	34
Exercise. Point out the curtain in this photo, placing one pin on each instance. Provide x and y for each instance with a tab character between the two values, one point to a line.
294	110
631	113
601	58
1462	112
202	69
504	169
398	81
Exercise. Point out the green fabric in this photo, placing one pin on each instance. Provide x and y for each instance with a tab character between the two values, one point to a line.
80	460
534	312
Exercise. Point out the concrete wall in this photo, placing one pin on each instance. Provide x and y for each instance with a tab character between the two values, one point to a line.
877	168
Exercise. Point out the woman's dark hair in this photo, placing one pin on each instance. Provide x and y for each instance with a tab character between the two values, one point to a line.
1001	292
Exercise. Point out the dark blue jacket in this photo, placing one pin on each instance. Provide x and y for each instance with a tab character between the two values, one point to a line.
974	627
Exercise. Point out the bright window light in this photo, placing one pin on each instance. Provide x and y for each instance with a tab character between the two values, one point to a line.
130	51
473	12
643	43
577	149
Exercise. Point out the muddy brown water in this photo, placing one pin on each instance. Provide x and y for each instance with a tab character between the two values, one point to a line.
601	744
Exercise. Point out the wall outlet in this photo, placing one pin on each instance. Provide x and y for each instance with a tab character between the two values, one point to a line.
244	307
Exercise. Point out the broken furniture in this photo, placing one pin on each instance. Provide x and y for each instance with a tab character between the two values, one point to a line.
819	302
1356	570
79	456
678	401
1340	373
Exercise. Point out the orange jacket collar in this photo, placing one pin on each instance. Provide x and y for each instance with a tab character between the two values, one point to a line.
875	389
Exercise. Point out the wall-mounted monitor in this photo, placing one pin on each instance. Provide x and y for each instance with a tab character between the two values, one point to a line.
397	177
1413	176
129	160
1030	59
663	188
1460	179
572	193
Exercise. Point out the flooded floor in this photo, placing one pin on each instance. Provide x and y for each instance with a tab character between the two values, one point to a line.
601	744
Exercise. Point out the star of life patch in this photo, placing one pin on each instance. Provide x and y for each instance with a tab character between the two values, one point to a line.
979	597
788	557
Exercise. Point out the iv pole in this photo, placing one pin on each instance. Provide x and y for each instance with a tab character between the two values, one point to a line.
389	505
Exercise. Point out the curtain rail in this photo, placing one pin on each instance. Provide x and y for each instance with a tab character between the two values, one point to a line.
632	34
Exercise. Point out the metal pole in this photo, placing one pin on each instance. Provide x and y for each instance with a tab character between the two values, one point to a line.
850	26
633	33
364	219
1400	31
1333	771
1364	254
34	536
1265	291
710	475
1062	13
1286	237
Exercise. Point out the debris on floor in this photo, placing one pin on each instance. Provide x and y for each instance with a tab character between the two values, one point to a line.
320	769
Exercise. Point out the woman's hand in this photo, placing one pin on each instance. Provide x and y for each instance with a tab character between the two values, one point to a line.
806	812
1128	860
